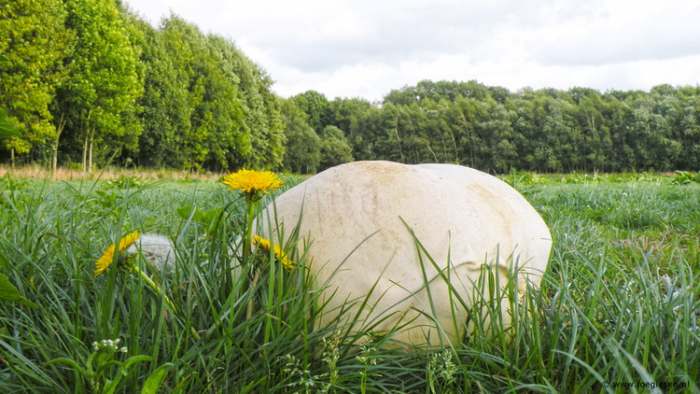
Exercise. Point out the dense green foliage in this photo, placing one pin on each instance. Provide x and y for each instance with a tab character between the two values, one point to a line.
335	148
85	78
98	99
8	128
303	153
619	303
34	43
493	129
88	78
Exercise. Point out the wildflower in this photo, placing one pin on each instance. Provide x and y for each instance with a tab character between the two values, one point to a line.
443	367
291	365
331	355
367	355
265	244
253	183
108	256
366	358
109	344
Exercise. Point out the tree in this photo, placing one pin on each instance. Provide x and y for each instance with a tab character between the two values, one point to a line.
166	102
33	45
688	128
303	154
316	107
8	128
99	99
91	78
335	148
382	140
219	115
262	112
206	105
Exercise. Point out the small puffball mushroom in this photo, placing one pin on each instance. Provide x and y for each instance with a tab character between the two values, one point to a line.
359	217
157	249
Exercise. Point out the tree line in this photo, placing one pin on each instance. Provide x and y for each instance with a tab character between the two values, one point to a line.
90	82
496	130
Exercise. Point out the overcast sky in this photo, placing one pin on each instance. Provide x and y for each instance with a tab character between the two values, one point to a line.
366	48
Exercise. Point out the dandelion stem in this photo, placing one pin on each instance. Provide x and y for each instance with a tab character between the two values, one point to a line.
247	252
251	300
248	238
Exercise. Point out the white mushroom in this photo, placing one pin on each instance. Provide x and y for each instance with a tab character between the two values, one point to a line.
359	218
157	249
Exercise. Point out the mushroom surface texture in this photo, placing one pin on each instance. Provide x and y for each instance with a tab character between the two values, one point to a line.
363	221
156	248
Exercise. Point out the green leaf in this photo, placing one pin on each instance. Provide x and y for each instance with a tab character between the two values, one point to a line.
123	371
154	381
7	127
131	361
69	362
8	292
184	211
3	262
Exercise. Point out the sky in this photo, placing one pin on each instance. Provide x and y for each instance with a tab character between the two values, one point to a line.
365	48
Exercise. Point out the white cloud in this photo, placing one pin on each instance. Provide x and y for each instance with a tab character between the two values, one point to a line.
366	48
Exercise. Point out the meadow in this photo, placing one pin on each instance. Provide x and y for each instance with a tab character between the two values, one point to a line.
618	309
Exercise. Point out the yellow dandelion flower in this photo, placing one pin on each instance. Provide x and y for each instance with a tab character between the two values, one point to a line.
108	256
264	243
104	261
252	182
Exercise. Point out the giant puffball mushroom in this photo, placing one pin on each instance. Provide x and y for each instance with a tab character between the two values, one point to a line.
359	218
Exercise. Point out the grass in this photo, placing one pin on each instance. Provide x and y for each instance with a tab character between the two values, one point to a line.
618	309
73	173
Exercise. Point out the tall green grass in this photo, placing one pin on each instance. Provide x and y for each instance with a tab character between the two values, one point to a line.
618	309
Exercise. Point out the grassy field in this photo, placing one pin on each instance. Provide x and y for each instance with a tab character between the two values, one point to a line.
618	310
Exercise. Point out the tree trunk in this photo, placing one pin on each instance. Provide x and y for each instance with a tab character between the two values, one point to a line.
85	147
54	158
12	158
90	154
86	125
